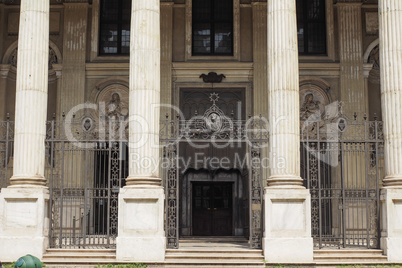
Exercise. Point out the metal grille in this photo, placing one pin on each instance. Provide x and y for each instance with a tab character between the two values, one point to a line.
342	165
253	132
86	173
6	150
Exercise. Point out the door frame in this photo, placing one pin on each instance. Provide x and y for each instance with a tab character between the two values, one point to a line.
186	199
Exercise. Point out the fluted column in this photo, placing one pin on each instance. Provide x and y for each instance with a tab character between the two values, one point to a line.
144	93
352	91
31	94
283	95
390	12
287	205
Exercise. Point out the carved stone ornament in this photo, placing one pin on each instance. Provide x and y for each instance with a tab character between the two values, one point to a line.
212	77
312	103
87	124
13	60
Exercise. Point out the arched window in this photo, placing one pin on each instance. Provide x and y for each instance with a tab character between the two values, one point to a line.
114	31
311	27
212	27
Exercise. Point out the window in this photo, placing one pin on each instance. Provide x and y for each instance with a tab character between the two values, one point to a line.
311	27
115	27
212	27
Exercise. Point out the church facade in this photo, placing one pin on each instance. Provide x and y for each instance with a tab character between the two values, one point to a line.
134	124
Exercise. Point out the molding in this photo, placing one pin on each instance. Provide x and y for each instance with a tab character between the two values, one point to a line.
101	70
191	71
4	69
188	35
319	69
369	49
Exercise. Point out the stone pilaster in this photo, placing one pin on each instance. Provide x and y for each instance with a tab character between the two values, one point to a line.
4	69
166	54
2	27
23	205
352	91
390	18
74	56
141	203
287	236
260	58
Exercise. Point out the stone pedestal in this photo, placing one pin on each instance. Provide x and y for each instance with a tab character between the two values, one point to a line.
141	233
24	222
287	237
391	224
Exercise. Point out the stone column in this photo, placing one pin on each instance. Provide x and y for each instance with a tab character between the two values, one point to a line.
287	202
23	204
141	233
352	91
4	69
390	18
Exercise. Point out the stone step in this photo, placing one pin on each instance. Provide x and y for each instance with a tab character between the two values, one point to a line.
214	239
213	250
347	251
350	256
214	256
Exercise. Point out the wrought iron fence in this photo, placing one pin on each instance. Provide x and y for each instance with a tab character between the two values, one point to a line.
342	164
6	151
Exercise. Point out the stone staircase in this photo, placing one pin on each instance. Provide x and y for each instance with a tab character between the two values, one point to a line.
214	252
78	257
352	256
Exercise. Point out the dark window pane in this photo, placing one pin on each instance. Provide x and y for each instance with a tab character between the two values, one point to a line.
212	27
202	10
300	38
316	41
108	38
115	27
223	38
311	26
109	10
202	38
223	10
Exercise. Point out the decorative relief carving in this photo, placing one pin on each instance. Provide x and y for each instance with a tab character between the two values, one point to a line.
312	102
374	58
212	77
53	59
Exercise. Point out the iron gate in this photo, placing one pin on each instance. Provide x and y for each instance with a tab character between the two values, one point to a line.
253	132
85	174
6	151
342	165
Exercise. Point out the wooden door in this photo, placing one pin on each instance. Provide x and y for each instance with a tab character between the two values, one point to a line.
212	209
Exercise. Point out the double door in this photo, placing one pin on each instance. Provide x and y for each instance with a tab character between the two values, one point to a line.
212	208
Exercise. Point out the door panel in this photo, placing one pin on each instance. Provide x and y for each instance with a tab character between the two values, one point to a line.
212	209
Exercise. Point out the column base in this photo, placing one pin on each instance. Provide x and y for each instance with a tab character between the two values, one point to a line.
141	217
287	237
24	223
391	219
288	250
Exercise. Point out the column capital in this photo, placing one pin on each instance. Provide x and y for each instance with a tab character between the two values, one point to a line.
4	69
